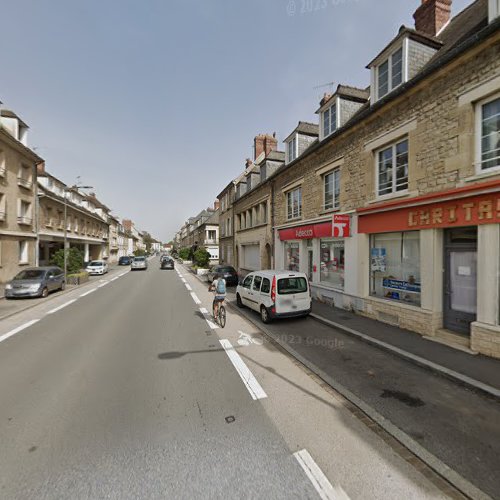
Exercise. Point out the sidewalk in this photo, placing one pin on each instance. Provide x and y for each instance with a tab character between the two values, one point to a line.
473	370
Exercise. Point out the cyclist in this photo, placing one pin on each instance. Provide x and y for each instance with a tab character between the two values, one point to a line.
218	286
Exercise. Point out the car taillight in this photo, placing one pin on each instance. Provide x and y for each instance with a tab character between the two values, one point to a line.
273	290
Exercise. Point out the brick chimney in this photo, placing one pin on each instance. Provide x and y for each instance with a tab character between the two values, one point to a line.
265	142
432	15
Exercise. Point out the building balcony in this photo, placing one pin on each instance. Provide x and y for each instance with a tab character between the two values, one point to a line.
24	220
211	241
3	215
2	171
25	183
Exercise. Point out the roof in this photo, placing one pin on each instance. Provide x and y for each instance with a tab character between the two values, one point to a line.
346	92
7	113
305	128
276	156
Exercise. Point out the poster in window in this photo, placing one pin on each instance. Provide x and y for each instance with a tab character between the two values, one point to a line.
378	260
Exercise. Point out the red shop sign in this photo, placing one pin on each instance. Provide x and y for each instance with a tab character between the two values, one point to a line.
338	227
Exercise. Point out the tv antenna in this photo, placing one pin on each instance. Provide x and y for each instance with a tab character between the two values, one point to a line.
330	86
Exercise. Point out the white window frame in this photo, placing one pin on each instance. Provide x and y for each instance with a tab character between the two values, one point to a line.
479	131
493	10
335	201
289	211
3	163
393	192
337	119
389	62
291	145
23	252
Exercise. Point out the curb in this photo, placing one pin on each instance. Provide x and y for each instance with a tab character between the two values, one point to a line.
439	467
422	362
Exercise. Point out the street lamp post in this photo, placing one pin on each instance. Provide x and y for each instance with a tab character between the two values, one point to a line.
66	190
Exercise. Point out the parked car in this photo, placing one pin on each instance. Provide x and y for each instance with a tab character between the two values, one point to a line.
97	267
139	262
227	272
167	263
124	261
275	294
35	282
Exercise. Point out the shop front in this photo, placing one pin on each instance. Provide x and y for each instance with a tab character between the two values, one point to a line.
435	259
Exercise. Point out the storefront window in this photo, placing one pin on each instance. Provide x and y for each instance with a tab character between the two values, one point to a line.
332	262
292	256
395	266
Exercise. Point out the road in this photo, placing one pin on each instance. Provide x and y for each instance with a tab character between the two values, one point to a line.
123	389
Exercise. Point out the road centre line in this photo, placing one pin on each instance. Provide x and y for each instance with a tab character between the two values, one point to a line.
208	319
115	278
62	306
18	329
320	482
195	298
254	388
88	293
188	286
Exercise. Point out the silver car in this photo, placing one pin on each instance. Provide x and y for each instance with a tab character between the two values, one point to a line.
35	282
139	263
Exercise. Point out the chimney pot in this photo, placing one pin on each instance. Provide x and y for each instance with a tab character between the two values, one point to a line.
265	143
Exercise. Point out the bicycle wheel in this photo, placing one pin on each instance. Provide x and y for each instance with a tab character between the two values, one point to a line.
222	316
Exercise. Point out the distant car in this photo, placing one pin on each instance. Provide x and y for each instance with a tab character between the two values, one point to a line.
275	294
139	263
35	282
97	267
227	272
124	261
167	263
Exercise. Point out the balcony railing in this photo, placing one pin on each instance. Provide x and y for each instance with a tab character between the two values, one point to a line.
25	183
22	219
211	241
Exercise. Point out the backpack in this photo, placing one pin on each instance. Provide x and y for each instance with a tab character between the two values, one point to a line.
221	287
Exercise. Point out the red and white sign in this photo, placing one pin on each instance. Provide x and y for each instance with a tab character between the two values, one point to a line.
338	227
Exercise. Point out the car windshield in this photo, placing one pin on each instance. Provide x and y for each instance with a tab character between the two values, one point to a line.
140	259
30	274
226	270
287	286
96	263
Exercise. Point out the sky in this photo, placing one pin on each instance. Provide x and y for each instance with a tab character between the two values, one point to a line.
155	103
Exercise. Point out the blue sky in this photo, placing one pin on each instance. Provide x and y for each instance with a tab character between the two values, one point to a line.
155	103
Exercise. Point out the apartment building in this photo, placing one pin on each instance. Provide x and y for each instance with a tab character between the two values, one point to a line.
18	239
226	224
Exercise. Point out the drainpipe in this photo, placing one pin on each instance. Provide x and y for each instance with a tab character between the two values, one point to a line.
272	226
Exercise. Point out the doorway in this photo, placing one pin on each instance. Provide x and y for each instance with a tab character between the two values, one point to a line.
460	279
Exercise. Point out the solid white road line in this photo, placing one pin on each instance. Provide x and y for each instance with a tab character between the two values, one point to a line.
115	278
208	319
246	375
183	280
18	329
188	286
88	293
103	284
320	482
62	306
195	298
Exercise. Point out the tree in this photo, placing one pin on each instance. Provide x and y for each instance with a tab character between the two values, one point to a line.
184	253
201	257
74	260
139	252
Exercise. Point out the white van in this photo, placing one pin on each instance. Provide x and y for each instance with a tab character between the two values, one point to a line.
275	294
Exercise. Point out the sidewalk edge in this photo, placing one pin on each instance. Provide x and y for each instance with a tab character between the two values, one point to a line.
451	476
451	374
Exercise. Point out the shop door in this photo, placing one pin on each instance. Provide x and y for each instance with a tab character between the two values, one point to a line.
310	264
460	284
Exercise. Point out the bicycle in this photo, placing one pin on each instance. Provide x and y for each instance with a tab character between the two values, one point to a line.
220	318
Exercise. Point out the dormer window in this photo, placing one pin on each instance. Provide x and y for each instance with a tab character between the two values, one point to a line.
493	10
390	73
329	120
292	149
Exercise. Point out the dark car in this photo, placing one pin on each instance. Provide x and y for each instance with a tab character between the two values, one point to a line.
227	272
166	263
124	261
35	282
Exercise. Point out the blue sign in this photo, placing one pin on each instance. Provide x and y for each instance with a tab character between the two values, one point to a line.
402	286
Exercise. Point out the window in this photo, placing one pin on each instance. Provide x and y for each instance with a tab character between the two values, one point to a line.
24	177
249	218
23	252
266	286
263	211
289	286
2	163
395	266
256	283
292	149
332	262
332	189
390	73
247	282
294	203
292	256
392	169
24	213
329	120
490	135
3	206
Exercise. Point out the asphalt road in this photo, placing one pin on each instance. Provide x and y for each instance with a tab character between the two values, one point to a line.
121	389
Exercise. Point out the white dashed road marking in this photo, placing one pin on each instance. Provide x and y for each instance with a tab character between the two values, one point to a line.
188	286
66	304
208	319
18	329
195	298
320	482
246	375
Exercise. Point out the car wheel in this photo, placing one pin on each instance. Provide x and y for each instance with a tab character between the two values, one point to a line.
238	300
45	292
264	315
